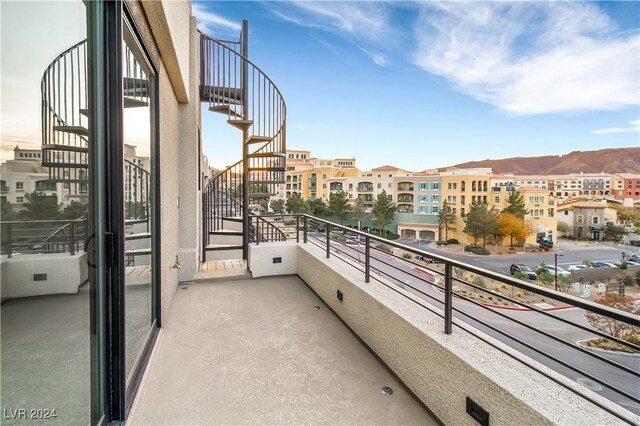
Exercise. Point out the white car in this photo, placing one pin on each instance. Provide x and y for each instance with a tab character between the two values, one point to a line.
577	267
552	270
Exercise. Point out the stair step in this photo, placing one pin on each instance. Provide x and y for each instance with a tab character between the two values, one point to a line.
226	232
134	103
134	221
138	252
225	109
221	95
266	155
59	147
217	247
258	139
267	169
241	124
84	111
139	236
233	219
76	130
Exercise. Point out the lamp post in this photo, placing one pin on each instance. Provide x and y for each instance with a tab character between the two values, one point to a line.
555	264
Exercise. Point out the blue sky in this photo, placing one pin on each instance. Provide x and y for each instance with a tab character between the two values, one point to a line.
423	85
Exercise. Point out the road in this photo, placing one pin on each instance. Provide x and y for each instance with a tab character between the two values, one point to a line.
544	348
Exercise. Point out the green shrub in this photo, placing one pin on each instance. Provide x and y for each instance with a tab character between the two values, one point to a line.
634	338
479	281
442	243
453	241
407	256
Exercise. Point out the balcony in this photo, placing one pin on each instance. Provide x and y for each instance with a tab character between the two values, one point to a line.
313	188
405	198
276	349
335	187
271	358
404	208
365	187
405	186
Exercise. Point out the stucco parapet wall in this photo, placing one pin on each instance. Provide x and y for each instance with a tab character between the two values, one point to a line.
170	22
443	369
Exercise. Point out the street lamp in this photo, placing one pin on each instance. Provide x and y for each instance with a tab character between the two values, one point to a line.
555	264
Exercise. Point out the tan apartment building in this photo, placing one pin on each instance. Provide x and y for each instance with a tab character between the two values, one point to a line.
368	184
587	217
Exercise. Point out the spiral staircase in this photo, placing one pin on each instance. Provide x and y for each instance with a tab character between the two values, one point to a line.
66	142
235	87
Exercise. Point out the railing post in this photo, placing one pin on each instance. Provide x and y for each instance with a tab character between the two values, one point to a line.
367	259
72	238
306	226
297	229
448	298
10	239
328	240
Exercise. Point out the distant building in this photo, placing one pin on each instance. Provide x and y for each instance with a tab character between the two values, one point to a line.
24	175
588	217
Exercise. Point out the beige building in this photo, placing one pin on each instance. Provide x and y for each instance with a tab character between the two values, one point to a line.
587	217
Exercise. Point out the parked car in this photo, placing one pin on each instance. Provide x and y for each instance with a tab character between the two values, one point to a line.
552	270
577	267
600	264
519	267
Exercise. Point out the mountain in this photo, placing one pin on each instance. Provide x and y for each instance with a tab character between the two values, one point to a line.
612	160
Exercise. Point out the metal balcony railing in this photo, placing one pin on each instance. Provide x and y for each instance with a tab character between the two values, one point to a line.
43	236
541	334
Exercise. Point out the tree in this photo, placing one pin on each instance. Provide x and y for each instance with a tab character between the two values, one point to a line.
383	211
7	210
358	211
339	205
564	227
318	207
618	329
41	207
75	210
480	222
446	219
628	216
277	206
516	204
296	205
528	229
511	226
614	231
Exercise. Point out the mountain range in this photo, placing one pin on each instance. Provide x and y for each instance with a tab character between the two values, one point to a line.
610	160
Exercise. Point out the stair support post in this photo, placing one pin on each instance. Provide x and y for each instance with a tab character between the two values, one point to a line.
244	50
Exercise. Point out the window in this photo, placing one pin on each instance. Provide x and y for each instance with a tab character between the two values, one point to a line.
379	175
19	199
436	209
390	186
350	186
422	185
350	195
580	219
19	186
324	176
595	220
566	212
324	186
422	198
435	185
379	186
496	199
435	198
390	197
390	175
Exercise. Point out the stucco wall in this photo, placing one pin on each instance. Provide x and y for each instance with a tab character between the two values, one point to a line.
64	273
261	258
178	126
442	370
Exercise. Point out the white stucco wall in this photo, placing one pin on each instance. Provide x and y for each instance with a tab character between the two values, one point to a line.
261	259
65	273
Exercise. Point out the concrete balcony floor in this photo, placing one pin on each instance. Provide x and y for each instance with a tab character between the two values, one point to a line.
255	351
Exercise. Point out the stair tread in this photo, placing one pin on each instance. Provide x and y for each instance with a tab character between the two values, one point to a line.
138	252
78	130
60	147
258	139
225	109
225	232
241	124
266	154
134	103
213	247
137	236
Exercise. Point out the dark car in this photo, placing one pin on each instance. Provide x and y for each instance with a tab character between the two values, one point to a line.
518	267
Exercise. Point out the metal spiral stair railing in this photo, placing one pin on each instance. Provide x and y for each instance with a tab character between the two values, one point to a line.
234	86
65	134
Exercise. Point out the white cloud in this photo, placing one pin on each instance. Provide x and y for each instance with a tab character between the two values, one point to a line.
364	20
635	127
209	22
531	58
378	58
